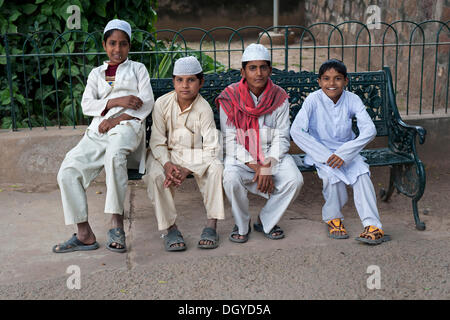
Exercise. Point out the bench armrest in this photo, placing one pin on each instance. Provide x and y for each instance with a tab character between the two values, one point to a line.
420	131
402	136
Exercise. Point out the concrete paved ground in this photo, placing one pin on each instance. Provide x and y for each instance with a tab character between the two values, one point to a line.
304	265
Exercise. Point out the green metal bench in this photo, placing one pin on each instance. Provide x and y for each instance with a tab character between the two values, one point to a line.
407	172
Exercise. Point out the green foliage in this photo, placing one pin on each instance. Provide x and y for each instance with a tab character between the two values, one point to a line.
52	88
162	61
37	15
47	89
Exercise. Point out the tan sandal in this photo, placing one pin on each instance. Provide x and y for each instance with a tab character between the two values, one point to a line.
336	229
373	235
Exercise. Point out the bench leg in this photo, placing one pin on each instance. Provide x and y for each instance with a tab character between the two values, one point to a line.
386	195
419	224
409	179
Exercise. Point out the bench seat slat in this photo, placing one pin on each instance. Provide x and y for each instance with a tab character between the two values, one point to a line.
375	157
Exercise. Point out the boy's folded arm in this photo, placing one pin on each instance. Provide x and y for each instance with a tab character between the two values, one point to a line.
367	132
300	134
91	104
145	94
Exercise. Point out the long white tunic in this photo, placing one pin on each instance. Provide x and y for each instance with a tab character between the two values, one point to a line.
132	78
322	128
237	176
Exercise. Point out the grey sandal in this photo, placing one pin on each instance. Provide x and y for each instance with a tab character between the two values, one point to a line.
73	244
174	237
259	227
235	232
209	234
116	235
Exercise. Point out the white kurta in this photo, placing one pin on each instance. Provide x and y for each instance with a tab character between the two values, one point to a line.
237	176
322	128
112	150
132	78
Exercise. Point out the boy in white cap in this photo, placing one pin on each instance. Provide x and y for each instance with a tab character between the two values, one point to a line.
184	141
254	119
119	97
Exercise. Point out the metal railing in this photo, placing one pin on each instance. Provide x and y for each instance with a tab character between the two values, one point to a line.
45	72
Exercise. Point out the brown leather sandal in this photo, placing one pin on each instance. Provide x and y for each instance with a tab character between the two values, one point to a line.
336	229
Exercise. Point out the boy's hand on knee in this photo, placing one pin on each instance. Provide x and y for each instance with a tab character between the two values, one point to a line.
183	174
107	125
265	183
171	171
334	161
110	123
263	175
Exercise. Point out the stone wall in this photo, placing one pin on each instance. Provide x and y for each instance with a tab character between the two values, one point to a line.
408	59
209	14
335	11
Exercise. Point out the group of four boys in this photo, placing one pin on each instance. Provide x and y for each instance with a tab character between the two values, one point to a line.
255	137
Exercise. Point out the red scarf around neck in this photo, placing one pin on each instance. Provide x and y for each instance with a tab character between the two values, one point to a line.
238	105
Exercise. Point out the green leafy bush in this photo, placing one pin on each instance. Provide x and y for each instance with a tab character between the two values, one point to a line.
49	63
47	89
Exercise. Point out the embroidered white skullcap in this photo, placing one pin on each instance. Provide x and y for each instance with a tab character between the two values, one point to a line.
255	52
187	66
120	25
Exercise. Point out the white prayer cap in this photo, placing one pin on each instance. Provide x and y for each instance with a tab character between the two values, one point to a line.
187	66
120	25
256	52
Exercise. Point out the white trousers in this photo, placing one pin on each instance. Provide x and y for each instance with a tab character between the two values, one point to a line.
363	194
85	161
237	181
210	185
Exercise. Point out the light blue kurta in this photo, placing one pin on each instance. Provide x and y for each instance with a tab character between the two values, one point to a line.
322	128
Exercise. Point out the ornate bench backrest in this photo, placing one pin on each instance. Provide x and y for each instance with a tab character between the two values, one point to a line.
369	86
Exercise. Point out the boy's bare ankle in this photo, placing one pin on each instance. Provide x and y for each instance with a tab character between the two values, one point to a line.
116	221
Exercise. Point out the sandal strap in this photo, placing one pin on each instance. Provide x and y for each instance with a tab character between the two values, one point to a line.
373	232
174	236
116	235
336	225
235	230
209	234
276	228
71	243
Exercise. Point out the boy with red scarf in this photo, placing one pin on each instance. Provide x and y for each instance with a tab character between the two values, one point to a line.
254	119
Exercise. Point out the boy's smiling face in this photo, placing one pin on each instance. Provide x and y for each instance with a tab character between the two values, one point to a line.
117	47
333	84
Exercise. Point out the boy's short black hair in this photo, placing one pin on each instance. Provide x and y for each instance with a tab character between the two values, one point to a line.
109	33
198	75
245	63
335	64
